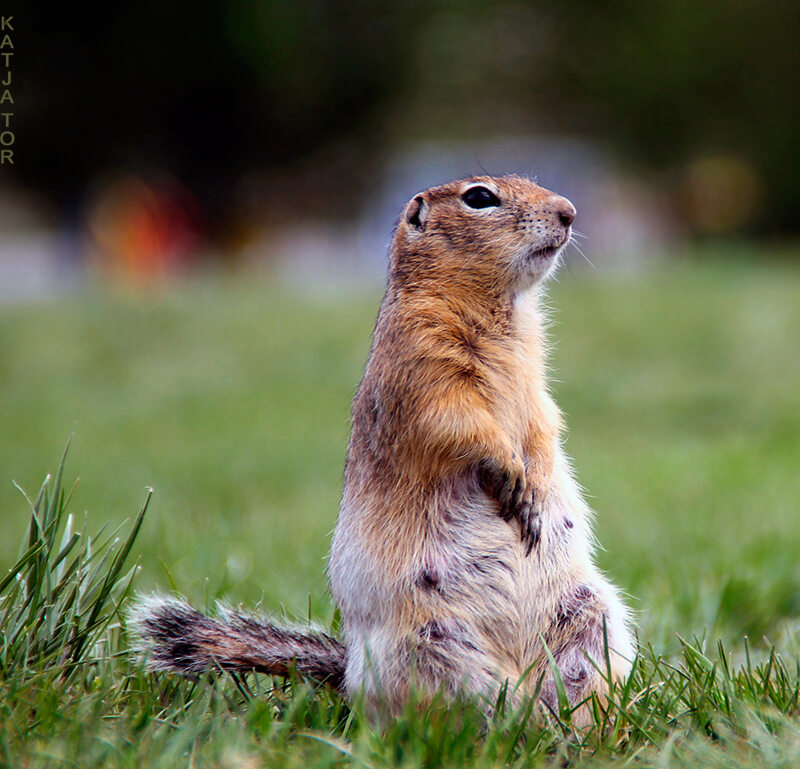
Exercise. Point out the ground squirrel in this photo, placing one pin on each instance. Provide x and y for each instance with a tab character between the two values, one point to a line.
463	540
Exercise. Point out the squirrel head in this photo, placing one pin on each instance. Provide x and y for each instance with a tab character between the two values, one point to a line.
505	233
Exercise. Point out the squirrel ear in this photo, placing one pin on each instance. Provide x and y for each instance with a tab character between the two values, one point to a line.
417	212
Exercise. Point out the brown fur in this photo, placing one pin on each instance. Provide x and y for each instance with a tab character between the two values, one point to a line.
451	558
462	538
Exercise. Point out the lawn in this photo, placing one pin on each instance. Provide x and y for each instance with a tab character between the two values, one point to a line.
681	389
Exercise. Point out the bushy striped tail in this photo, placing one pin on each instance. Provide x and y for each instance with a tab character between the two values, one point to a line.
174	637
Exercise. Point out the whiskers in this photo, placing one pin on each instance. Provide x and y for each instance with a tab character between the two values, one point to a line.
573	241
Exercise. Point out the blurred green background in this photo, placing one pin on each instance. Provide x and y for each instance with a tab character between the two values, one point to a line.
192	245
680	387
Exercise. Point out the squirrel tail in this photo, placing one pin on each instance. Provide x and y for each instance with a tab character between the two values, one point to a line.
174	637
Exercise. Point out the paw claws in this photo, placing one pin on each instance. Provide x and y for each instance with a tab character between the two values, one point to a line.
517	499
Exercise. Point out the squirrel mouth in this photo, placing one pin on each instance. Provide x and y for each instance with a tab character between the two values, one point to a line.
549	251
546	252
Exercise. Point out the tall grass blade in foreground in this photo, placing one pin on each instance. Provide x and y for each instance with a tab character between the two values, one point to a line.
65	588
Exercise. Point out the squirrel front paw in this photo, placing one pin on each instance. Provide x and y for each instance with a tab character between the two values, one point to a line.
530	521
505	482
537	479
519	497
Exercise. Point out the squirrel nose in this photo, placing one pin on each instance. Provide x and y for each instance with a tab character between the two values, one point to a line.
565	211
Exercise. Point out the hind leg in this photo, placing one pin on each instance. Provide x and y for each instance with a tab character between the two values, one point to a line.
447	656
441	656
586	616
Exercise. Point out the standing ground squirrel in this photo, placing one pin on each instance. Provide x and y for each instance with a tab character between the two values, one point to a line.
463	540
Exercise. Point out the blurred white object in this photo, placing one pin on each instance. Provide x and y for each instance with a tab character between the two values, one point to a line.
624	222
36	258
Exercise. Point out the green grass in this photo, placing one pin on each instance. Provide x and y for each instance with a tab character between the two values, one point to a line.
681	389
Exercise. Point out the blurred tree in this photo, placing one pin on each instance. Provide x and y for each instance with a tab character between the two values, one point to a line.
309	94
671	81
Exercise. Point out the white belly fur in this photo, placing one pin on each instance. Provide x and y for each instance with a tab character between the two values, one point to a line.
487	594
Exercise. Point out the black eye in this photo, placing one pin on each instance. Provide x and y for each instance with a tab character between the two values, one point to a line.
480	197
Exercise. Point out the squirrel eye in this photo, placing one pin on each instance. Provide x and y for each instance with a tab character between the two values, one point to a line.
480	197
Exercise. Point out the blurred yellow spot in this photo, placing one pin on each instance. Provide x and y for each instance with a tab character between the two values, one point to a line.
721	193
